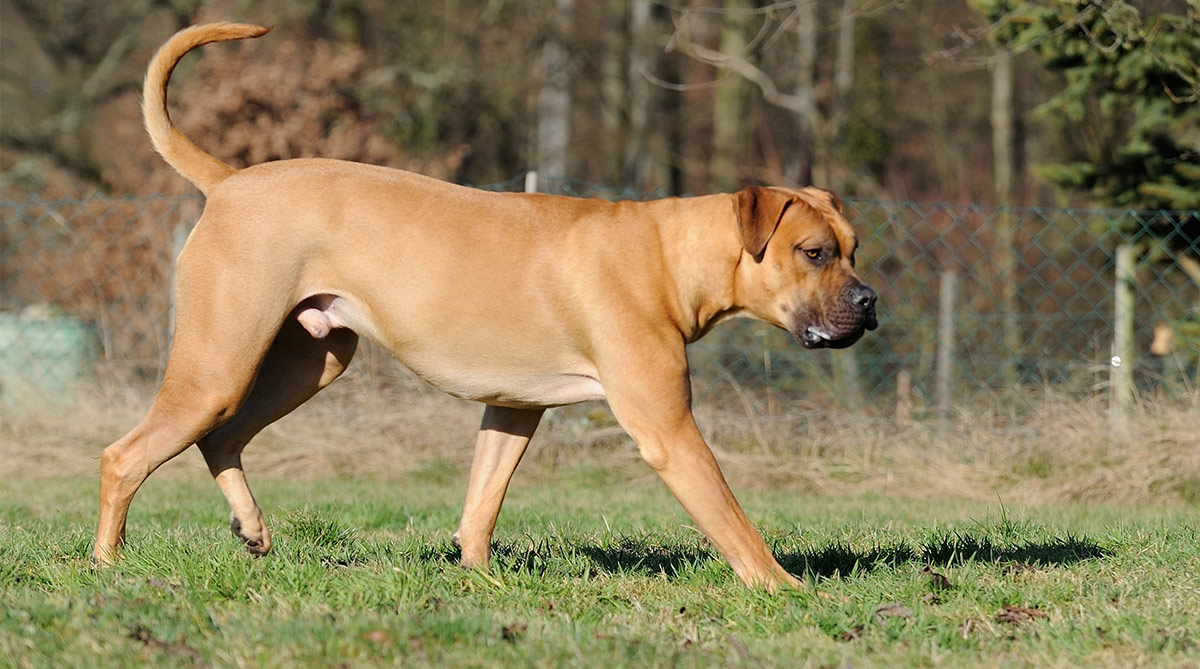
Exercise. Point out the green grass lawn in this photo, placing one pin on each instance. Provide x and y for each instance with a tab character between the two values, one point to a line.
591	567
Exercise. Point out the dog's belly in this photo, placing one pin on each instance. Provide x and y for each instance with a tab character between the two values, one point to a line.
519	390
491	369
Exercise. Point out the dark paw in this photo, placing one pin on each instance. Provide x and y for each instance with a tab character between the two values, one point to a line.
253	546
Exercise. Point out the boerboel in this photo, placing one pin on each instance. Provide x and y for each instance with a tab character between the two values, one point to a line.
520	302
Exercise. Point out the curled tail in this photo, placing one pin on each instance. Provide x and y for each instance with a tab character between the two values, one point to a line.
195	165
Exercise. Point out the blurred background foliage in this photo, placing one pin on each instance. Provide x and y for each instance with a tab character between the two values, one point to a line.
1015	144
875	98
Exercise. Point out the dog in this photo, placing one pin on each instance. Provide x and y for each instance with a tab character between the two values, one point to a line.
518	301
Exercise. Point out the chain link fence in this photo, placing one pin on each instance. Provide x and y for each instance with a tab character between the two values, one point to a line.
978	307
981	306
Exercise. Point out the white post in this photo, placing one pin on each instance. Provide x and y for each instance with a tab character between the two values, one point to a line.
904	398
945	349
1121	363
188	212
179	235
531	181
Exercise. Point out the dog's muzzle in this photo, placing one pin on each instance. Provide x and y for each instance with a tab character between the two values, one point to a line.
846	323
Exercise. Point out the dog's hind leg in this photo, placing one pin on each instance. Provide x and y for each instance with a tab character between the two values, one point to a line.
228	313
297	366
503	437
195	397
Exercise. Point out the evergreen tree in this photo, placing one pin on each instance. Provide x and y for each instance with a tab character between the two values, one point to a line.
1131	98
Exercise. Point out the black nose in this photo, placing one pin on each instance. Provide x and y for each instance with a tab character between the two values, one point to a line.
863	296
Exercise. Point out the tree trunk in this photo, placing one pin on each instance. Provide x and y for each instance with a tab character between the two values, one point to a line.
695	119
554	99
847	378
636	166
800	164
614	101
1003	253
843	83
728	105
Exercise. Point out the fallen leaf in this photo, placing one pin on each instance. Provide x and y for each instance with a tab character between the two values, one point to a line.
375	636
892	610
851	634
145	636
512	631
1019	614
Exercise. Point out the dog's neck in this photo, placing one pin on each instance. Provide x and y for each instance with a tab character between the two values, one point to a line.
705	298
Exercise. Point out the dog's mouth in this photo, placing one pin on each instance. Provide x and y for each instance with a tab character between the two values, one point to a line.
836	336
818	337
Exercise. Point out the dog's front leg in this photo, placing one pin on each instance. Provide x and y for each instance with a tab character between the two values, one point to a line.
655	410
503	436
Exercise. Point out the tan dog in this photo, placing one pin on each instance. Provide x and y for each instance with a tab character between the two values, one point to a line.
521	302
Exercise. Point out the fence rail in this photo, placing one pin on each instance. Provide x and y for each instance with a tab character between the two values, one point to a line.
977	305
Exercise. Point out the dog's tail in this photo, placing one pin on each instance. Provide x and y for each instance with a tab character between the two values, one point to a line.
195	165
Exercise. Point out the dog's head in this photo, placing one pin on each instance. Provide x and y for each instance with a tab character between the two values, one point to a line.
797	268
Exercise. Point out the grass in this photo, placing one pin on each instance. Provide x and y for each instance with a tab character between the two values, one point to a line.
1043	446
1058	540
593	566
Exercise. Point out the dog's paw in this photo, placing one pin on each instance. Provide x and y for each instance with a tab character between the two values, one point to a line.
255	546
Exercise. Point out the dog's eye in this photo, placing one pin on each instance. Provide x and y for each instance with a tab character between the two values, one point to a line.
812	254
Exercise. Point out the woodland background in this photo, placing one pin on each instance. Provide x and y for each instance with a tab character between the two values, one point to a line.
1025	151
974	139
1018	149
938	100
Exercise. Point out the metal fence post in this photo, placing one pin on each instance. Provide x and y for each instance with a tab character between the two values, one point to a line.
179	235
1005	256
847	378
904	397
1122	350
945	349
188	212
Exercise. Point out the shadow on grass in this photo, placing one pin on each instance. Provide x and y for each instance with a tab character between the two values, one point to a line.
634	556
628	555
947	550
645	555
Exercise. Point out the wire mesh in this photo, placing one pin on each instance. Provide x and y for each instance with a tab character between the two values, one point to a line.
85	289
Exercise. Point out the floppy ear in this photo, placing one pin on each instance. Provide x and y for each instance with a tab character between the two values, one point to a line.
820	196
758	212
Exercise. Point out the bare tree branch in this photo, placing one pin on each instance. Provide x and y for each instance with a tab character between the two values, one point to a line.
751	73
969	38
740	64
100	76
